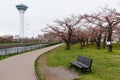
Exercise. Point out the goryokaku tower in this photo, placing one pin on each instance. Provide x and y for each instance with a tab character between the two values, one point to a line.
21	8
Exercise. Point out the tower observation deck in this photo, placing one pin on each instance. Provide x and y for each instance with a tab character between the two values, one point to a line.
21	7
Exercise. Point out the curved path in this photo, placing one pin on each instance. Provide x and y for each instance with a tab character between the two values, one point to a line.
21	67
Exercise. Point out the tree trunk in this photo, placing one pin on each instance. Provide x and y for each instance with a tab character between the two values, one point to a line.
80	42
92	41
98	44
87	42
67	45
98	41
104	40
110	48
81	45
83	40
110	40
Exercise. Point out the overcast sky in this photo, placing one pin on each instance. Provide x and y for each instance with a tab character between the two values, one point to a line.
42	12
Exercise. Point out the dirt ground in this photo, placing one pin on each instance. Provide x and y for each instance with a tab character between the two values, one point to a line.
57	73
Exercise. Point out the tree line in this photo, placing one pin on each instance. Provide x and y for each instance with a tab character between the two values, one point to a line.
98	27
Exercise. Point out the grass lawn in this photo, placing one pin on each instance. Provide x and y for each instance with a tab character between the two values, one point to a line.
7	45
106	65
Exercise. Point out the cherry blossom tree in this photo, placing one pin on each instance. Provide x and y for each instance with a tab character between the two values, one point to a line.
65	28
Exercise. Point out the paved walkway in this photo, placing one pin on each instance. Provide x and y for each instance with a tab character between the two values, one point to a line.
21	67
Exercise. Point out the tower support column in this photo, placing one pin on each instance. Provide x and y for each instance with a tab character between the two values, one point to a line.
21	23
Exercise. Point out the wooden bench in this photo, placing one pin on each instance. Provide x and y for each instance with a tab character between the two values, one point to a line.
82	63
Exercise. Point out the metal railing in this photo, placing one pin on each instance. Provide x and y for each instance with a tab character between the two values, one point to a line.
12	50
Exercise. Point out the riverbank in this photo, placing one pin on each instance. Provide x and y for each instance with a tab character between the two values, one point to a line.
9	45
20	50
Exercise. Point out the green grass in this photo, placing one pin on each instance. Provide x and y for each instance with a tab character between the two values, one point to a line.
7	45
106	65
37	69
2	44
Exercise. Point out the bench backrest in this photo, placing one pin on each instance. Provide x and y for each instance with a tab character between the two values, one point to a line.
84	60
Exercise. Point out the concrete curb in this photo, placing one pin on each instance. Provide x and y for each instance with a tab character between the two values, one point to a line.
37	59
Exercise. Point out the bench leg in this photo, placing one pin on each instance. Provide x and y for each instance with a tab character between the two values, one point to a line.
71	65
90	70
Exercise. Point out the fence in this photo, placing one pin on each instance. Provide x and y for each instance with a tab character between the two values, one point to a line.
12	50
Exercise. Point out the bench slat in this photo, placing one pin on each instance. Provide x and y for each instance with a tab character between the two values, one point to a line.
80	65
